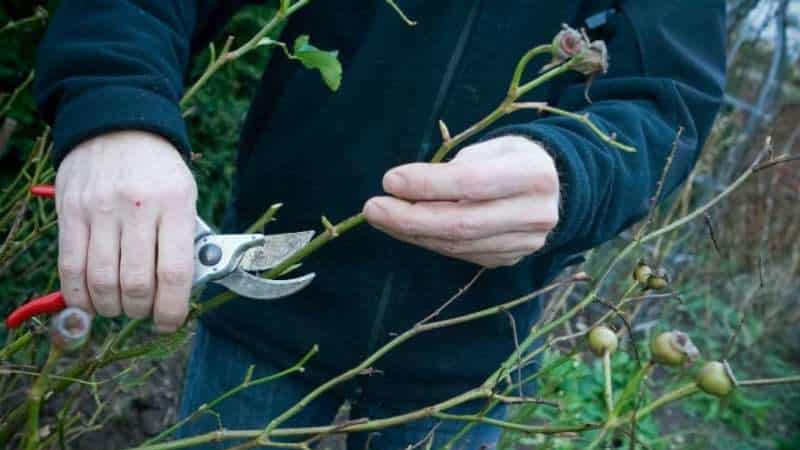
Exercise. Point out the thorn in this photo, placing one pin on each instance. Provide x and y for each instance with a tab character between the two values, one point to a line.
445	132
329	227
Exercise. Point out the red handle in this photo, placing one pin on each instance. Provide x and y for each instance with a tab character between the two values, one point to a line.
43	190
50	303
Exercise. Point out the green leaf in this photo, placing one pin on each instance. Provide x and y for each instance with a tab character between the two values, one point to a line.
327	62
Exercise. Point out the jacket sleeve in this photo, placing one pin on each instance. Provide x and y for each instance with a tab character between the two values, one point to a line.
107	65
667	71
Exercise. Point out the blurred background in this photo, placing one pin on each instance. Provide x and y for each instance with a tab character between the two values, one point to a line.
736	271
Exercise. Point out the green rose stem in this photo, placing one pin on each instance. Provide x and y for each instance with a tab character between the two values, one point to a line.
245	384
607	386
436	410
484	391
18	344
507	106
226	55
40	15
36	395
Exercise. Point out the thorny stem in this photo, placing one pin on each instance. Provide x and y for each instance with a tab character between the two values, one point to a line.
35	397
632	387
505	107
769	381
422	328
672	396
529	429
246	384
400	12
15	94
265	218
582	118
436	410
39	15
607	387
18	344
227	55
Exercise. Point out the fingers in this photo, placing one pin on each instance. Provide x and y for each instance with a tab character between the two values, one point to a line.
490	258
102	265
73	242
174	269
498	168
461	220
473	180
514	242
137	265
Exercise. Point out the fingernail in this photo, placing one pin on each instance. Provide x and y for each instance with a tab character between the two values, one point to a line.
373	207
394	181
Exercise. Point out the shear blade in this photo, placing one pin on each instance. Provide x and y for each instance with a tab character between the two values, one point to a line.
275	249
251	286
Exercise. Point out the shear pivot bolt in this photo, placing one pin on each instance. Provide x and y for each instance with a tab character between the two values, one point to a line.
209	254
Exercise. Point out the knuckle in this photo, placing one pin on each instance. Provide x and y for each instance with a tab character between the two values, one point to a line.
99	201
471	184
467	227
543	219
406	226
451	247
71	269
135	192
102	280
71	203
137	284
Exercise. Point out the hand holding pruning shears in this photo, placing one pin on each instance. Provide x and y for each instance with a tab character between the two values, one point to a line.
142	258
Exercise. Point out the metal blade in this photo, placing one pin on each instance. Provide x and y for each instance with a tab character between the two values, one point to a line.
251	286
275	249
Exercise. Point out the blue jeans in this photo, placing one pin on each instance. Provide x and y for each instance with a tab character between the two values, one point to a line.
218	364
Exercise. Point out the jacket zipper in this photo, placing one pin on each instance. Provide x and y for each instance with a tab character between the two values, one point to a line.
441	95
447	80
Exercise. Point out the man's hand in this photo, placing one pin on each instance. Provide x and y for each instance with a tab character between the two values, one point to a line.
126	209
492	205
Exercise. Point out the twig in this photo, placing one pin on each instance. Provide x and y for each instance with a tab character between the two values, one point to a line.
607	387
626	324
455	296
267	217
226	55
400	12
35	397
370	360
39	15
428	437
770	381
528	429
582	118
246	384
24	85
513	325
711	234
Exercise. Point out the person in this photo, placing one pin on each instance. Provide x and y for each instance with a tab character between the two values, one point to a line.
524	199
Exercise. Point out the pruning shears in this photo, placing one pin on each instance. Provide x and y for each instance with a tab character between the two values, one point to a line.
226	259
